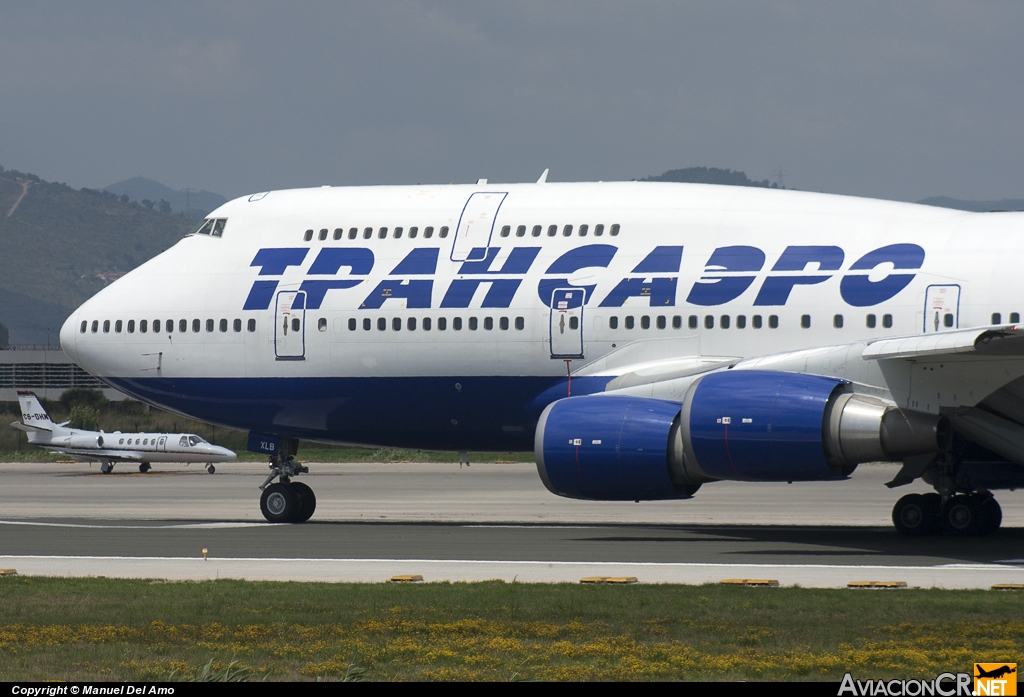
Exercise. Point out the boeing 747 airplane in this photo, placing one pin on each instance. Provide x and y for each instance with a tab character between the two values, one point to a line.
111	448
643	339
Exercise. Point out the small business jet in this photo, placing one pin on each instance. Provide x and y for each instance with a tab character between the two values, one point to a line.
641	338
110	448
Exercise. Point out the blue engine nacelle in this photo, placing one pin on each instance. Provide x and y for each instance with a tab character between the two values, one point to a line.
748	425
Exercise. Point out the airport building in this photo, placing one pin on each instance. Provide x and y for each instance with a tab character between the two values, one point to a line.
45	370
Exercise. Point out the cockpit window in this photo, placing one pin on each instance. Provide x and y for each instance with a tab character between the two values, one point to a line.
213	227
203	228
195	440
218	227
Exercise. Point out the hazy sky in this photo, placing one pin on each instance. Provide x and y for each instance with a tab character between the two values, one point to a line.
896	100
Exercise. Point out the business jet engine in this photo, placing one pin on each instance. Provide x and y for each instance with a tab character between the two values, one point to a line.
743	425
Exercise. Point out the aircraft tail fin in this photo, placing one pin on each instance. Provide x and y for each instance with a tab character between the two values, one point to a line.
32	413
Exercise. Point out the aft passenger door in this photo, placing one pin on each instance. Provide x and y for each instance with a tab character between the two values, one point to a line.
290	326
941	308
566	323
473	235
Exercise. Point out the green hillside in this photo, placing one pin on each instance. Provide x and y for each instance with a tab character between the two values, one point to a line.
59	246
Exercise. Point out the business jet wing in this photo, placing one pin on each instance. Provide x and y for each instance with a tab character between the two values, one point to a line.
97	454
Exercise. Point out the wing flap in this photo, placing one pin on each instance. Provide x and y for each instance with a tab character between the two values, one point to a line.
1006	340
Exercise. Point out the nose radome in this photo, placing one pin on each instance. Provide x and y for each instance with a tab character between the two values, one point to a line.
69	337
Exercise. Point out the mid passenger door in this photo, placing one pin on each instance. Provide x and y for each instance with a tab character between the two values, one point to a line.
941	308
566	323
290	326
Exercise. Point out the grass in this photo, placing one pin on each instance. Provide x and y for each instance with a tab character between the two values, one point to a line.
105	629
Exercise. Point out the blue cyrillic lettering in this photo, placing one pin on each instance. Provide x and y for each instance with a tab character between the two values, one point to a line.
776	289
591	255
713	289
858	289
274	261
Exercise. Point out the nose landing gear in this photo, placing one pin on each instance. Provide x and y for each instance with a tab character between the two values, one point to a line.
286	501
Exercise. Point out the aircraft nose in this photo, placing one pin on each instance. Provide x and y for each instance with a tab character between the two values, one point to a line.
69	337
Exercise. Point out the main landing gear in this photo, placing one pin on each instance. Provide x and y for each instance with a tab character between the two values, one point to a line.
286	501
957	509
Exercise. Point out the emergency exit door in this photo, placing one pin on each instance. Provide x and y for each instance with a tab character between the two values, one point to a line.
290	326
941	308
566	323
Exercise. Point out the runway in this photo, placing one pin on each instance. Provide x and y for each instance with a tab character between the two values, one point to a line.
487	521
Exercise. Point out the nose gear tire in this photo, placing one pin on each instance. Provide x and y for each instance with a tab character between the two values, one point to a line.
279	503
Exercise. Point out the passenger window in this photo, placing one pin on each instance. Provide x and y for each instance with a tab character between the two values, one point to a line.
156	326
426	324
997	318
183	325
84	325
367	233
723	321
131	326
382	324
142	326
503	323
567	231
308	236
396	324
209	325
398	233
338	232
321	324
598	230
805	321
520	323
574	322
613	322
773	321
887	321
367	325
521	231
837	321
457	323
614	231
323	234
536	231
472	324
117	326
583	230
146	441
662	322
351	324
756	321
95	326
677	322
411	324
741	321
442	324
169	325
252	325
218	227
1014	317
223	325
413	231
428	232
645	322
106	326
709	322
352	232
692	322
183	442
505	230
552	230
629	322
871	321
382	233
489	323
443	232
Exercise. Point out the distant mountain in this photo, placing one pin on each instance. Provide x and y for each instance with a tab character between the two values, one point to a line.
1006	204
62	245
710	175
193	204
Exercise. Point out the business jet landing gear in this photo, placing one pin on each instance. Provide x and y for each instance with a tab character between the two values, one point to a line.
210	468
286	501
106	467
144	467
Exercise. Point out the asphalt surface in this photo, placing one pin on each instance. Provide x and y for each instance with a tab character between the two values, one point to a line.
488	521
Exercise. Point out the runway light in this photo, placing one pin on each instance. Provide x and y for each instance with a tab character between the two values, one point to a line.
1008	587
8	572
407	578
594	579
620	579
876	584
752	582
204	554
